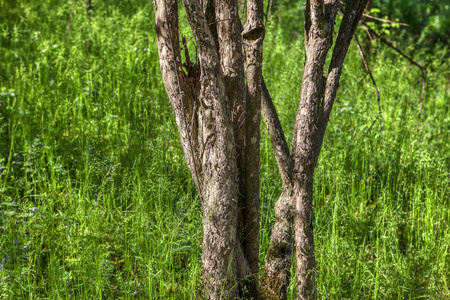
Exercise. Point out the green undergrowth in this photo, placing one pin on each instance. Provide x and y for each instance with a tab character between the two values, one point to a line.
96	201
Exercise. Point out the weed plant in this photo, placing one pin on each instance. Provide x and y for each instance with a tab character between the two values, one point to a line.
96	201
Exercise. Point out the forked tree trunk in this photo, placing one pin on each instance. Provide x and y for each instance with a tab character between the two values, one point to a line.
317	98
218	118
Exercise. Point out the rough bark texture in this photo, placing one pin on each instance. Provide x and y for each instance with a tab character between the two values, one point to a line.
204	122
218	119
253	36
220	187
317	97
232	65
319	25
276	273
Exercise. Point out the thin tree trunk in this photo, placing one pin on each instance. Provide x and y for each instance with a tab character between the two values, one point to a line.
220	187
317	97
253	36
319	24
227	22
304	238
276	273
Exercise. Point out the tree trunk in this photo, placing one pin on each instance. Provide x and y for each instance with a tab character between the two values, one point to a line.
253	36
227	27
204	124
218	118
276	273
317	97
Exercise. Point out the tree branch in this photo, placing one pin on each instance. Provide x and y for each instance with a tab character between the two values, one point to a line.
411	60
383	20
166	26
319	39
352	15
279	145
366	66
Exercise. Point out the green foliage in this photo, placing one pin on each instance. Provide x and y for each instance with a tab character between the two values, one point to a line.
96	201
383	28
428	19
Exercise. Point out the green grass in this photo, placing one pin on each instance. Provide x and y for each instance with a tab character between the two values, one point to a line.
96	201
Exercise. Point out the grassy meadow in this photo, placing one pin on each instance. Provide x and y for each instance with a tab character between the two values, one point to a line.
96	201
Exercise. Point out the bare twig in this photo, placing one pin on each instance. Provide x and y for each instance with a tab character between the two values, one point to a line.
185	42
368	33
222	20
269	8
411	60
384	20
369	30
277	137
370	37
370	128
371	76
377	19
70	19
279	16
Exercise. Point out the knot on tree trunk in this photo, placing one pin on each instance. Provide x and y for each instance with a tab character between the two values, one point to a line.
253	33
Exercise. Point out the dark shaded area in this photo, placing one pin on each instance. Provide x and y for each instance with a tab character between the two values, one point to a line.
429	20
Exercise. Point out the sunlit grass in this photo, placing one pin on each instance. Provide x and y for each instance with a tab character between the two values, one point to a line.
96	201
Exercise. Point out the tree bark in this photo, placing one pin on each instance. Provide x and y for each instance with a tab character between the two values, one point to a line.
253	36
204	123
218	119
220	187
276	273
319	25
317	97
229	39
